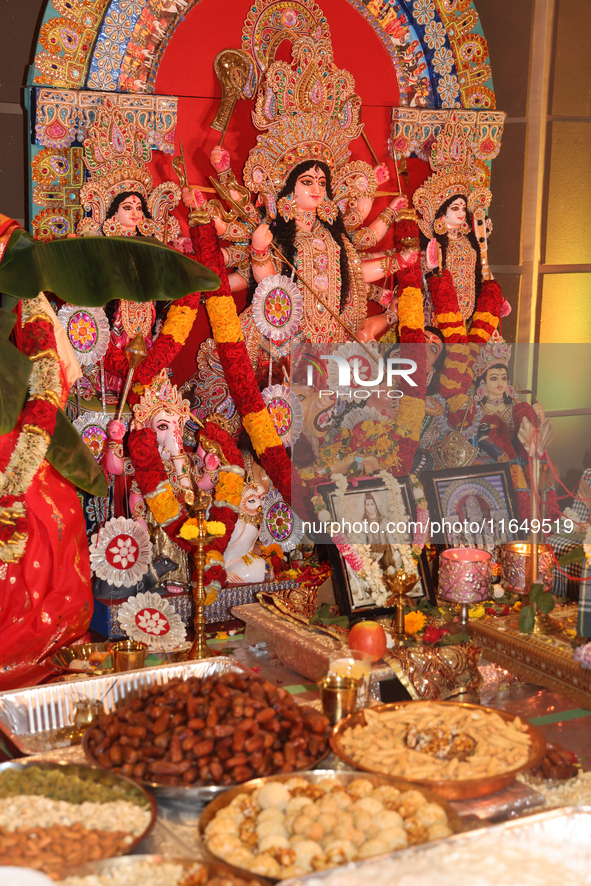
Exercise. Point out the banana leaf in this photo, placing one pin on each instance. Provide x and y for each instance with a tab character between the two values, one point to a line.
71	457
15	370
91	271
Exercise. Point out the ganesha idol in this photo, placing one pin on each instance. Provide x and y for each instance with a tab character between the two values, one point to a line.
162	410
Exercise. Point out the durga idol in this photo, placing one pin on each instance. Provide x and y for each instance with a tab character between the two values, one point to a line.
311	206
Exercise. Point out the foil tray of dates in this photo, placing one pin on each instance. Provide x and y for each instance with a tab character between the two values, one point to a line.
220	730
34	718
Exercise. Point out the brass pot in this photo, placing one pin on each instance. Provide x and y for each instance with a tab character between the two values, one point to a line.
516	567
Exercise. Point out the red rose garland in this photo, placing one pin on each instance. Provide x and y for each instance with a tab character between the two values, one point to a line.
489	309
174	333
240	376
152	479
447	312
404	230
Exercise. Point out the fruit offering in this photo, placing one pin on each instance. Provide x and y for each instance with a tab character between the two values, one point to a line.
218	730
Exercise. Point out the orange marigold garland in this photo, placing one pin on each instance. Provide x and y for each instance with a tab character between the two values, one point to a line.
240	376
410	305
175	331
37	424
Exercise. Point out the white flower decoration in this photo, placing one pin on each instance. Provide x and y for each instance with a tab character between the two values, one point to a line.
88	332
277	307
423	11
152	622
120	552
149	619
124	551
435	35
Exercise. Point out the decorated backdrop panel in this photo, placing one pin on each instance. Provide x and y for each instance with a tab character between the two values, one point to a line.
436	47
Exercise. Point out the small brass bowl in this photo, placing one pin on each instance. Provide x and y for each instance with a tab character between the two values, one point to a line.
63	658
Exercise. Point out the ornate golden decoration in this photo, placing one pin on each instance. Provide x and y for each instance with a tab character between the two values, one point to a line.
161	395
307	110
455	172
116	155
454	451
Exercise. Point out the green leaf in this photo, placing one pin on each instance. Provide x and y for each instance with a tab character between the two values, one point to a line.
91	271
536	589
323	616
15	370
453	639
526	620
545	603
71	457
575	556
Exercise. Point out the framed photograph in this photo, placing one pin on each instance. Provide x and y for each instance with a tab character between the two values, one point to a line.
472	507
378	521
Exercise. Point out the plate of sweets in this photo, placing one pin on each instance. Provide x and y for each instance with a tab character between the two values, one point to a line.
292	825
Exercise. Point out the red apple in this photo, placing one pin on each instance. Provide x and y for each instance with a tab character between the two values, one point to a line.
368	636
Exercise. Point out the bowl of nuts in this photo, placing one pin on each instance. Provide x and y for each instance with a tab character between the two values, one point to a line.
218	730
53	815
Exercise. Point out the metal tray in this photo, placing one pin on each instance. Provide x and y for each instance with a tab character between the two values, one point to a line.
97	868
559	834
33	717
343	778
458	789
126	788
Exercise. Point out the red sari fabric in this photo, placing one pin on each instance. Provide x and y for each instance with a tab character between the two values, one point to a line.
45	598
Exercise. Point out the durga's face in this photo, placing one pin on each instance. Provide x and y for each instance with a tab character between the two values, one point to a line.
310	189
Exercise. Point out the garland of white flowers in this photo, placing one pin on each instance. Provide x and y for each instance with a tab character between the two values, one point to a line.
372	572
403	556
45	383
402	553
340	481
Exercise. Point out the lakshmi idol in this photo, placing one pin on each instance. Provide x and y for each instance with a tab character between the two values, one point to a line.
122	201
489	417
452	205
311	201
